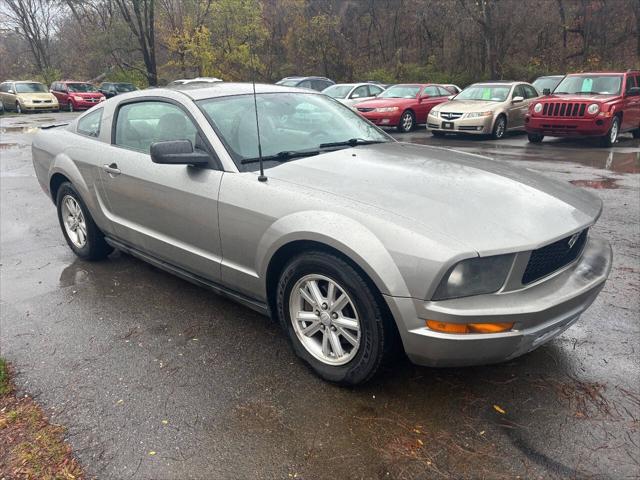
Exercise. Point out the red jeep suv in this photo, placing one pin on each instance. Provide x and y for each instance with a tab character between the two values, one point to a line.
76	95
594	104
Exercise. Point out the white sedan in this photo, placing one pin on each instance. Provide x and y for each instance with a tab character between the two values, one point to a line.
352	93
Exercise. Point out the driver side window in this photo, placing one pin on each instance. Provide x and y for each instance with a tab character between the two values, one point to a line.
360	92
140	124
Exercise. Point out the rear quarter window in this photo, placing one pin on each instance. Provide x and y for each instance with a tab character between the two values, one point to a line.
89	125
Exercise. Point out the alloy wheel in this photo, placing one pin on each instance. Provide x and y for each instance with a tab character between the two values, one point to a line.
500	128
18	108
407	122
70	106
325	319
613	134
74	221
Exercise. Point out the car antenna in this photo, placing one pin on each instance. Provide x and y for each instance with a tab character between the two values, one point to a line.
261	177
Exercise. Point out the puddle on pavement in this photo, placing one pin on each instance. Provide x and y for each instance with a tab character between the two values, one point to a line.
19	129
599	184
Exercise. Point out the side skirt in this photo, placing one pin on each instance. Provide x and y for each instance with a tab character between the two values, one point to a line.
252	303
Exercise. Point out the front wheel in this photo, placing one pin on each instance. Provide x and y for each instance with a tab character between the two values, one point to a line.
612	136
407	122
70	106
636	133
18	107
535	137
333	319
499	128
80	231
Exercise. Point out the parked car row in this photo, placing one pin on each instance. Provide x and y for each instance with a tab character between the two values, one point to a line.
31	96
580	104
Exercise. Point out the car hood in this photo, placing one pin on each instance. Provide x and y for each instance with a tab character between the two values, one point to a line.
384	102
581	98
464	106
488	206
36	96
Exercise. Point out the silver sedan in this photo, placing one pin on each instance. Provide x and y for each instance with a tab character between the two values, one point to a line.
354	242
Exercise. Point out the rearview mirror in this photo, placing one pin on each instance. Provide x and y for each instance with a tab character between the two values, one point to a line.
518	99
546	91
177	152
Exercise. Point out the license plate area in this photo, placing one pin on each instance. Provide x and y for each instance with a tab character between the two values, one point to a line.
447	125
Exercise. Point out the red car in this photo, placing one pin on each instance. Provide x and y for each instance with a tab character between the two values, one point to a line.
403	106
76	95
593	104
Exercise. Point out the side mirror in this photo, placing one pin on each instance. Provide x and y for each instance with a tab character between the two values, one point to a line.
518	99
451	97
177	152
546	91
633	92
11	91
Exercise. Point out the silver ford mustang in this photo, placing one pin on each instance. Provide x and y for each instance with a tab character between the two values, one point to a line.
353	241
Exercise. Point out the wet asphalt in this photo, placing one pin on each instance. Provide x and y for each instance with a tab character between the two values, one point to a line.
156	378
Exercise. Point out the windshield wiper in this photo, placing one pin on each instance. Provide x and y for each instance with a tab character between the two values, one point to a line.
282	156
352	142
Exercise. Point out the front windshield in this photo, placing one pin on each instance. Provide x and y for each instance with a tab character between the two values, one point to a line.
81	87
32	87
491	93
289	122
401	91
288	83
546	83
590	84
338	91
124	87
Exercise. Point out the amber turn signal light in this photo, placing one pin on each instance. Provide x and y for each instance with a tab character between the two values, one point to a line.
447	327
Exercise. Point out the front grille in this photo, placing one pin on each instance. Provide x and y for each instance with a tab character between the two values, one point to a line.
450	115
564	109
366	109
550	258
37	101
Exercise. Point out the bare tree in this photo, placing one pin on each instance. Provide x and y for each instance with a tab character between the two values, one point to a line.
34	21
139	15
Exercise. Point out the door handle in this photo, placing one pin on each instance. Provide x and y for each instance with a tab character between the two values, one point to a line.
111	169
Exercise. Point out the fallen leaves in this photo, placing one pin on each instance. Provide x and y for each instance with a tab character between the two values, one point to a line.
499	409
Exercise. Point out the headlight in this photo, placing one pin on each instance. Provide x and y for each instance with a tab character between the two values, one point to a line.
537	108
386	109
593	109
435	113
479	114
77	99
474	276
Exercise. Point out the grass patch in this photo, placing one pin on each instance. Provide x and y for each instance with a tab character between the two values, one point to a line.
32	448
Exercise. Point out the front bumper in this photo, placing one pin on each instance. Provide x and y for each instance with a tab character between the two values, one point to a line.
478	125
382	119
565	127
540	312
83	104
32	107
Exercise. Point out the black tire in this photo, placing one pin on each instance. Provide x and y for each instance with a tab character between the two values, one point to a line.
18	108
69	106
535	137
377	332
404	125
636	133
612	135
437	133
499	133
95	248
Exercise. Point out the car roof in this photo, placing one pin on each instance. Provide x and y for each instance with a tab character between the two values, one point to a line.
225	89
313	77
575	74
24	81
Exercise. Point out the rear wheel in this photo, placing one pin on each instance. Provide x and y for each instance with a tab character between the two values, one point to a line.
333	319
499	128
612	136
80	231
535	137
407	121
